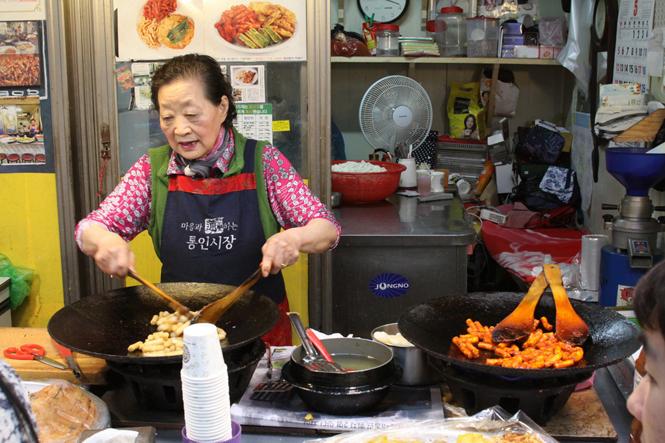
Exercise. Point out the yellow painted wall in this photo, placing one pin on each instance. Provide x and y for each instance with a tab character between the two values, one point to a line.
29	236
295	277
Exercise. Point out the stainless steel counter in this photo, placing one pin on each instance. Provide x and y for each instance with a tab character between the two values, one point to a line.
403	220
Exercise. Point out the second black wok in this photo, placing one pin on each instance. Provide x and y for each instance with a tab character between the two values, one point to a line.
432	325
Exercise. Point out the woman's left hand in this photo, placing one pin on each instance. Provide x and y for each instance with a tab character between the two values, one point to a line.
280	250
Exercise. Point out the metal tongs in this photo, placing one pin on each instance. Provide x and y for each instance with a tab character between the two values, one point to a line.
312	359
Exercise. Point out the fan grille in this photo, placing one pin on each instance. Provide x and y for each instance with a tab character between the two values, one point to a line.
395	111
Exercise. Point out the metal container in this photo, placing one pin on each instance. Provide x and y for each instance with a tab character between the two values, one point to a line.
416	371
393	255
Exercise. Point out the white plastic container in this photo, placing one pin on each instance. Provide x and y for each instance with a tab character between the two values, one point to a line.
387	40
450	29
482	37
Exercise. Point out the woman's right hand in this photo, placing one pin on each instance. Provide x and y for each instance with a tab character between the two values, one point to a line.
111	253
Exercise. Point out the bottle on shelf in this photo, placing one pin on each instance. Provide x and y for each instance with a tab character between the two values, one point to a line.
450	30
387	39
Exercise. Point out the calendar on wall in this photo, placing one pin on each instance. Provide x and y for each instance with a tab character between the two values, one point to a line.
634	26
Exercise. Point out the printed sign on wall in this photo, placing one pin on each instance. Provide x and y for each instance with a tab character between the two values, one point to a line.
22	10
228	30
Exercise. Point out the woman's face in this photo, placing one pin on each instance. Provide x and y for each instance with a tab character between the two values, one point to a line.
190	122
469	122
647	402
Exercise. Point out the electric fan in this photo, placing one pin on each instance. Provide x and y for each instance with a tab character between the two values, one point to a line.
395	112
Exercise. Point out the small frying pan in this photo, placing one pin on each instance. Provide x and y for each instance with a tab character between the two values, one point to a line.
432	325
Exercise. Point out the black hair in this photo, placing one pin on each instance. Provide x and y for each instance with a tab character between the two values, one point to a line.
22	413
649	301
196	66
474	121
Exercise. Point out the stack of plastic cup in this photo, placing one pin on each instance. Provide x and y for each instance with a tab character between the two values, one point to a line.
205	387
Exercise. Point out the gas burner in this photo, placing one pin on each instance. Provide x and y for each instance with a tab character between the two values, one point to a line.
158	386
539	398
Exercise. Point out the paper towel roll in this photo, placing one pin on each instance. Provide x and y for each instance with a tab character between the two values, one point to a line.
590	261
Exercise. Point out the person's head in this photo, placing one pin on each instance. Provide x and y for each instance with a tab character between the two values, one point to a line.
194	101
647	401
470	122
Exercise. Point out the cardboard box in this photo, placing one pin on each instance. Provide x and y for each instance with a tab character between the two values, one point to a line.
525	51
548	52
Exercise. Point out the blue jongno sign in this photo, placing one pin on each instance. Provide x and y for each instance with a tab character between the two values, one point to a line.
389	285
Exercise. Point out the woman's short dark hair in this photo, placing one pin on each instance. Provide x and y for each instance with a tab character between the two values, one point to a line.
196	66
649	301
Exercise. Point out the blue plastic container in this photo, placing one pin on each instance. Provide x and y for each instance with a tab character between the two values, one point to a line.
636	170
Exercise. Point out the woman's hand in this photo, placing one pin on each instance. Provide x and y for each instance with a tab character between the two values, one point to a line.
279	251
284	248
111	253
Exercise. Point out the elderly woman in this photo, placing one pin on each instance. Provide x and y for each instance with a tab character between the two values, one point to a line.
212	200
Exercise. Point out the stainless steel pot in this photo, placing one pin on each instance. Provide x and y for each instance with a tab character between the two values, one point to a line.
416	371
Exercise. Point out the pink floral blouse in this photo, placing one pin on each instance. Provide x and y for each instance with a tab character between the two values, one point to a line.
126	210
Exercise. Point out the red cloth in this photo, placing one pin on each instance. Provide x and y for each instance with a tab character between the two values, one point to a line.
519	251
280	334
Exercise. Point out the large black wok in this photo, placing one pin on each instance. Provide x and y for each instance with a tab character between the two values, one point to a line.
432	325
104	325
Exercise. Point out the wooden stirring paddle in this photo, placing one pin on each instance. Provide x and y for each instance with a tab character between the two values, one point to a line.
519	323
569	325
211	312
172	302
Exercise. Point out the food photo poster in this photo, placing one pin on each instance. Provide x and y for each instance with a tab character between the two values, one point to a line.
20	60
21	132
228	30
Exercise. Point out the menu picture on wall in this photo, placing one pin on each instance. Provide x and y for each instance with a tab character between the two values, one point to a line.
21	132
159	24
228	30
257	25
158	28
250	30
19	54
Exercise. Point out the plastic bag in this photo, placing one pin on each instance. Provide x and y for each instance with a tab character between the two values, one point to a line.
493	425
21	281
63	410
575	55
466	117
347	44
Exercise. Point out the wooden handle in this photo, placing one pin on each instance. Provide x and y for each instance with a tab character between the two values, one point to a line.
519	323
213	311
173	303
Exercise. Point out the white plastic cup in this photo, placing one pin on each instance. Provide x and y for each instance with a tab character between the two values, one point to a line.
436	184
407	179
463	187
202	353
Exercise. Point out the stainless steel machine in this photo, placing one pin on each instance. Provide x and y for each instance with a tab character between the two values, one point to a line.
633	250
393	255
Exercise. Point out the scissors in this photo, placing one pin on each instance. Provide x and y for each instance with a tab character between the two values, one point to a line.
31	352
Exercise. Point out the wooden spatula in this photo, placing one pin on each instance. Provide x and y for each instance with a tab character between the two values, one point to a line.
519	323
569	326
211	312
172	302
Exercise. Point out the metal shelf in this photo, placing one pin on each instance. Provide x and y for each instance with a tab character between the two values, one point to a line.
449	60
